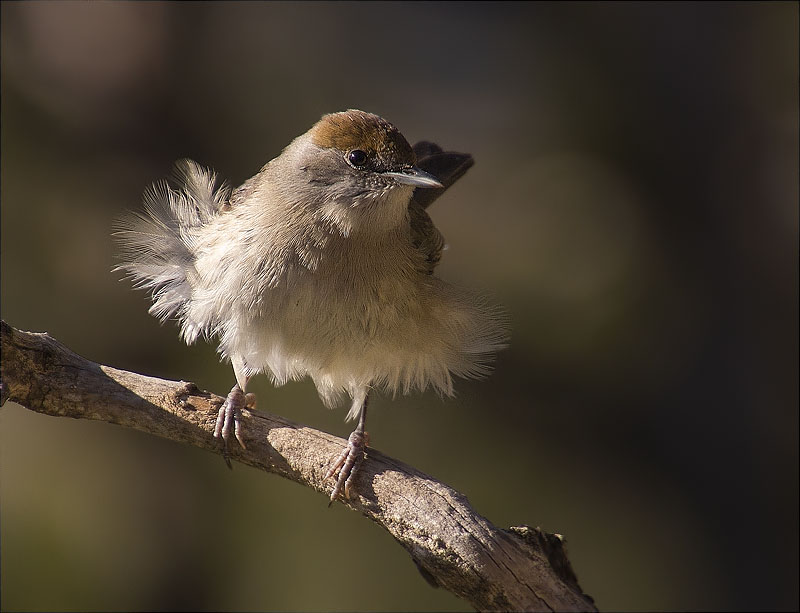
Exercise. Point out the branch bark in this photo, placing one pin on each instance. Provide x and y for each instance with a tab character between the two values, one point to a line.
518	569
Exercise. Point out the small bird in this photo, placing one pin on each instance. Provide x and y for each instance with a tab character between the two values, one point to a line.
320	265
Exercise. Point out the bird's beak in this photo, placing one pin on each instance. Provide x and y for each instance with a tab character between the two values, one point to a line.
414	176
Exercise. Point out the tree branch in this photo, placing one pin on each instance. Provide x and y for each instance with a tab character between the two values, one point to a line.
519	569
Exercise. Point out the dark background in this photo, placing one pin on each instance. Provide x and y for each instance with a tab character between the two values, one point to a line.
634	204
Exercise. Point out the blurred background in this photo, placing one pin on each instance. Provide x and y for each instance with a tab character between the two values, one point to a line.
634	205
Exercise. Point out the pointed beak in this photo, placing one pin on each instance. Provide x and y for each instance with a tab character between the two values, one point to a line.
414	176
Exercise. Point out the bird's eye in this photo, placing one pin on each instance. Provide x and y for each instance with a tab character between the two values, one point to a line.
357	157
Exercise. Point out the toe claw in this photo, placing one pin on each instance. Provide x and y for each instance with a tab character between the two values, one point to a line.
237	431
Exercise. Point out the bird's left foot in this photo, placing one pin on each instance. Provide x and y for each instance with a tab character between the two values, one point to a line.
347	464
230	417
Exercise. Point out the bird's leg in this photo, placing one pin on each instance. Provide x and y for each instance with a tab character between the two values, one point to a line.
349	461
230	416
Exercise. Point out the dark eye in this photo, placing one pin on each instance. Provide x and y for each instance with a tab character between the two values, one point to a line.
357	157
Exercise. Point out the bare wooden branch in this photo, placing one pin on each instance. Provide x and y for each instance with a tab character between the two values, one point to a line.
519	569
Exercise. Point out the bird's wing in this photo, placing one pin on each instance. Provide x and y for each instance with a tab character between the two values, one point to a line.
426	238
448	167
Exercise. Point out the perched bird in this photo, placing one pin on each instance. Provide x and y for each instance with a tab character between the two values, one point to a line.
320	265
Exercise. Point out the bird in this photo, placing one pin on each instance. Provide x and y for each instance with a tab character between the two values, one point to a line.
321	265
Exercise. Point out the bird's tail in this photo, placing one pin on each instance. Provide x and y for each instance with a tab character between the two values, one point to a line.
157	245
